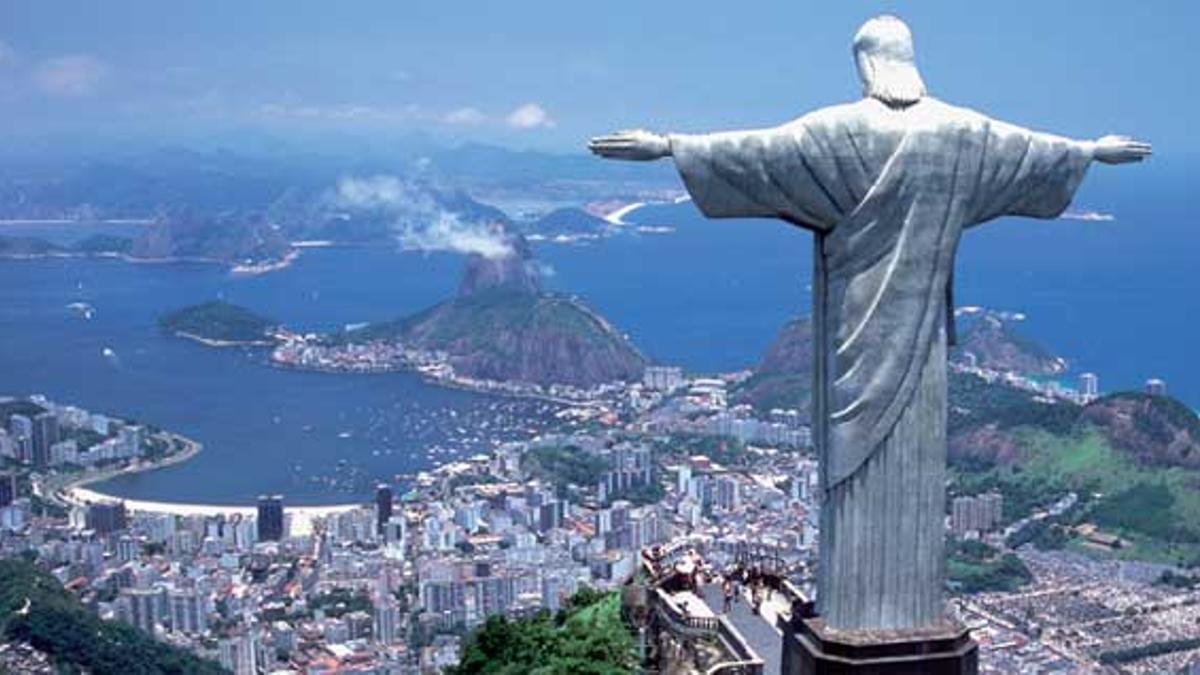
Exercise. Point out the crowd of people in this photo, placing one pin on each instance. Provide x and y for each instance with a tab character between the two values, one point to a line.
695	572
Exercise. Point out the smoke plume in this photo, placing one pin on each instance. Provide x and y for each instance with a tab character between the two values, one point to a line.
418	221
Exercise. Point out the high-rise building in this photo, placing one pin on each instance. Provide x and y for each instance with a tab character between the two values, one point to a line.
630	467
105	517
140	607
1089	387
395	531
550	515
1156	387
8	488
270	518
238	654
683	482
128	548
383	505
977	514
387	615
20	428
45	434
186	607
727	497
662	378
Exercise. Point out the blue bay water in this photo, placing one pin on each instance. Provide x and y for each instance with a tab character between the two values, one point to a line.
1117	297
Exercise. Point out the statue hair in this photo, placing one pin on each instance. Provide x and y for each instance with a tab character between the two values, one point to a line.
883	51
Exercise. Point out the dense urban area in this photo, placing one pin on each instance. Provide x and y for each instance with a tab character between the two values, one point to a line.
622	524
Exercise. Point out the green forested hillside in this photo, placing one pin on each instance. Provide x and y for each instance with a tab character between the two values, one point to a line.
35	609
587	637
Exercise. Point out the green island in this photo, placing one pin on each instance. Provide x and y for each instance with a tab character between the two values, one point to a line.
219	323
38	611
588	636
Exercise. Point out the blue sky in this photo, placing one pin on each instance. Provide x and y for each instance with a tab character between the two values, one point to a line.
549	74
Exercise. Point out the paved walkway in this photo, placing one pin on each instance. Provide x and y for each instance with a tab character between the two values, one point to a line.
762	636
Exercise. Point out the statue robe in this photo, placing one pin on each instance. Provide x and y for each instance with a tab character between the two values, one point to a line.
887	192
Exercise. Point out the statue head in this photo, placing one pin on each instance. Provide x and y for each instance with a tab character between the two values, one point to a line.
884	53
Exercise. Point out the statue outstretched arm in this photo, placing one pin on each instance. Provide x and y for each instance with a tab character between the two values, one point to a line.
1034	174
752	173
1118	149
631	144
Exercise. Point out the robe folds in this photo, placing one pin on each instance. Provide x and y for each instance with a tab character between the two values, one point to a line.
887	193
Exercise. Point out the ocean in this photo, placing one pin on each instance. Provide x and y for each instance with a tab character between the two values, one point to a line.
1117	297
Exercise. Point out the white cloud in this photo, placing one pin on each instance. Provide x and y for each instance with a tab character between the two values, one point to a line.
446	232
467	116
530	116
418	221
374	192
1093	216
343	112
70	76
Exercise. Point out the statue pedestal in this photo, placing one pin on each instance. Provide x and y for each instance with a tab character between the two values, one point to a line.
811	648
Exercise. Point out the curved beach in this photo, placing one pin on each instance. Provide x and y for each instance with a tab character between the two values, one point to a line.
301	522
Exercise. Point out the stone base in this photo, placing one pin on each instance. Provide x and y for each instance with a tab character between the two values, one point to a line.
811	648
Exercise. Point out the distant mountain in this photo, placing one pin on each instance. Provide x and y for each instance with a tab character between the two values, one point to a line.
228	236
321	215
566	221
38	612
98	244
995	344
501	326
21	246
123	184
784	377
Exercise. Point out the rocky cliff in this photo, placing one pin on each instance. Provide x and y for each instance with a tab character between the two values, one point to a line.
514	273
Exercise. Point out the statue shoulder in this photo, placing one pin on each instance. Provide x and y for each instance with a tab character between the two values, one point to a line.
838	114
939	113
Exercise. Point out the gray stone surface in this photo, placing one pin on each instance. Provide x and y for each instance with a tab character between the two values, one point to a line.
887	185
762	637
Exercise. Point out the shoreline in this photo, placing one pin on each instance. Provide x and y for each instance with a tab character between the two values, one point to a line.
214	342
486	387
302	516
234	268
79	493
618	217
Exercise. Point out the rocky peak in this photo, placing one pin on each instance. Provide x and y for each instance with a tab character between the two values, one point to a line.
515	272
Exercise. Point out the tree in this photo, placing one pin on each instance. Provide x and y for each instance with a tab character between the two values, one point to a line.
588	636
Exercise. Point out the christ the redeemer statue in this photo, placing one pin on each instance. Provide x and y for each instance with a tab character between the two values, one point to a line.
886	184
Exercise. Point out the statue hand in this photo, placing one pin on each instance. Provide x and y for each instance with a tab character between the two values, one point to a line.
1119	150
637	144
